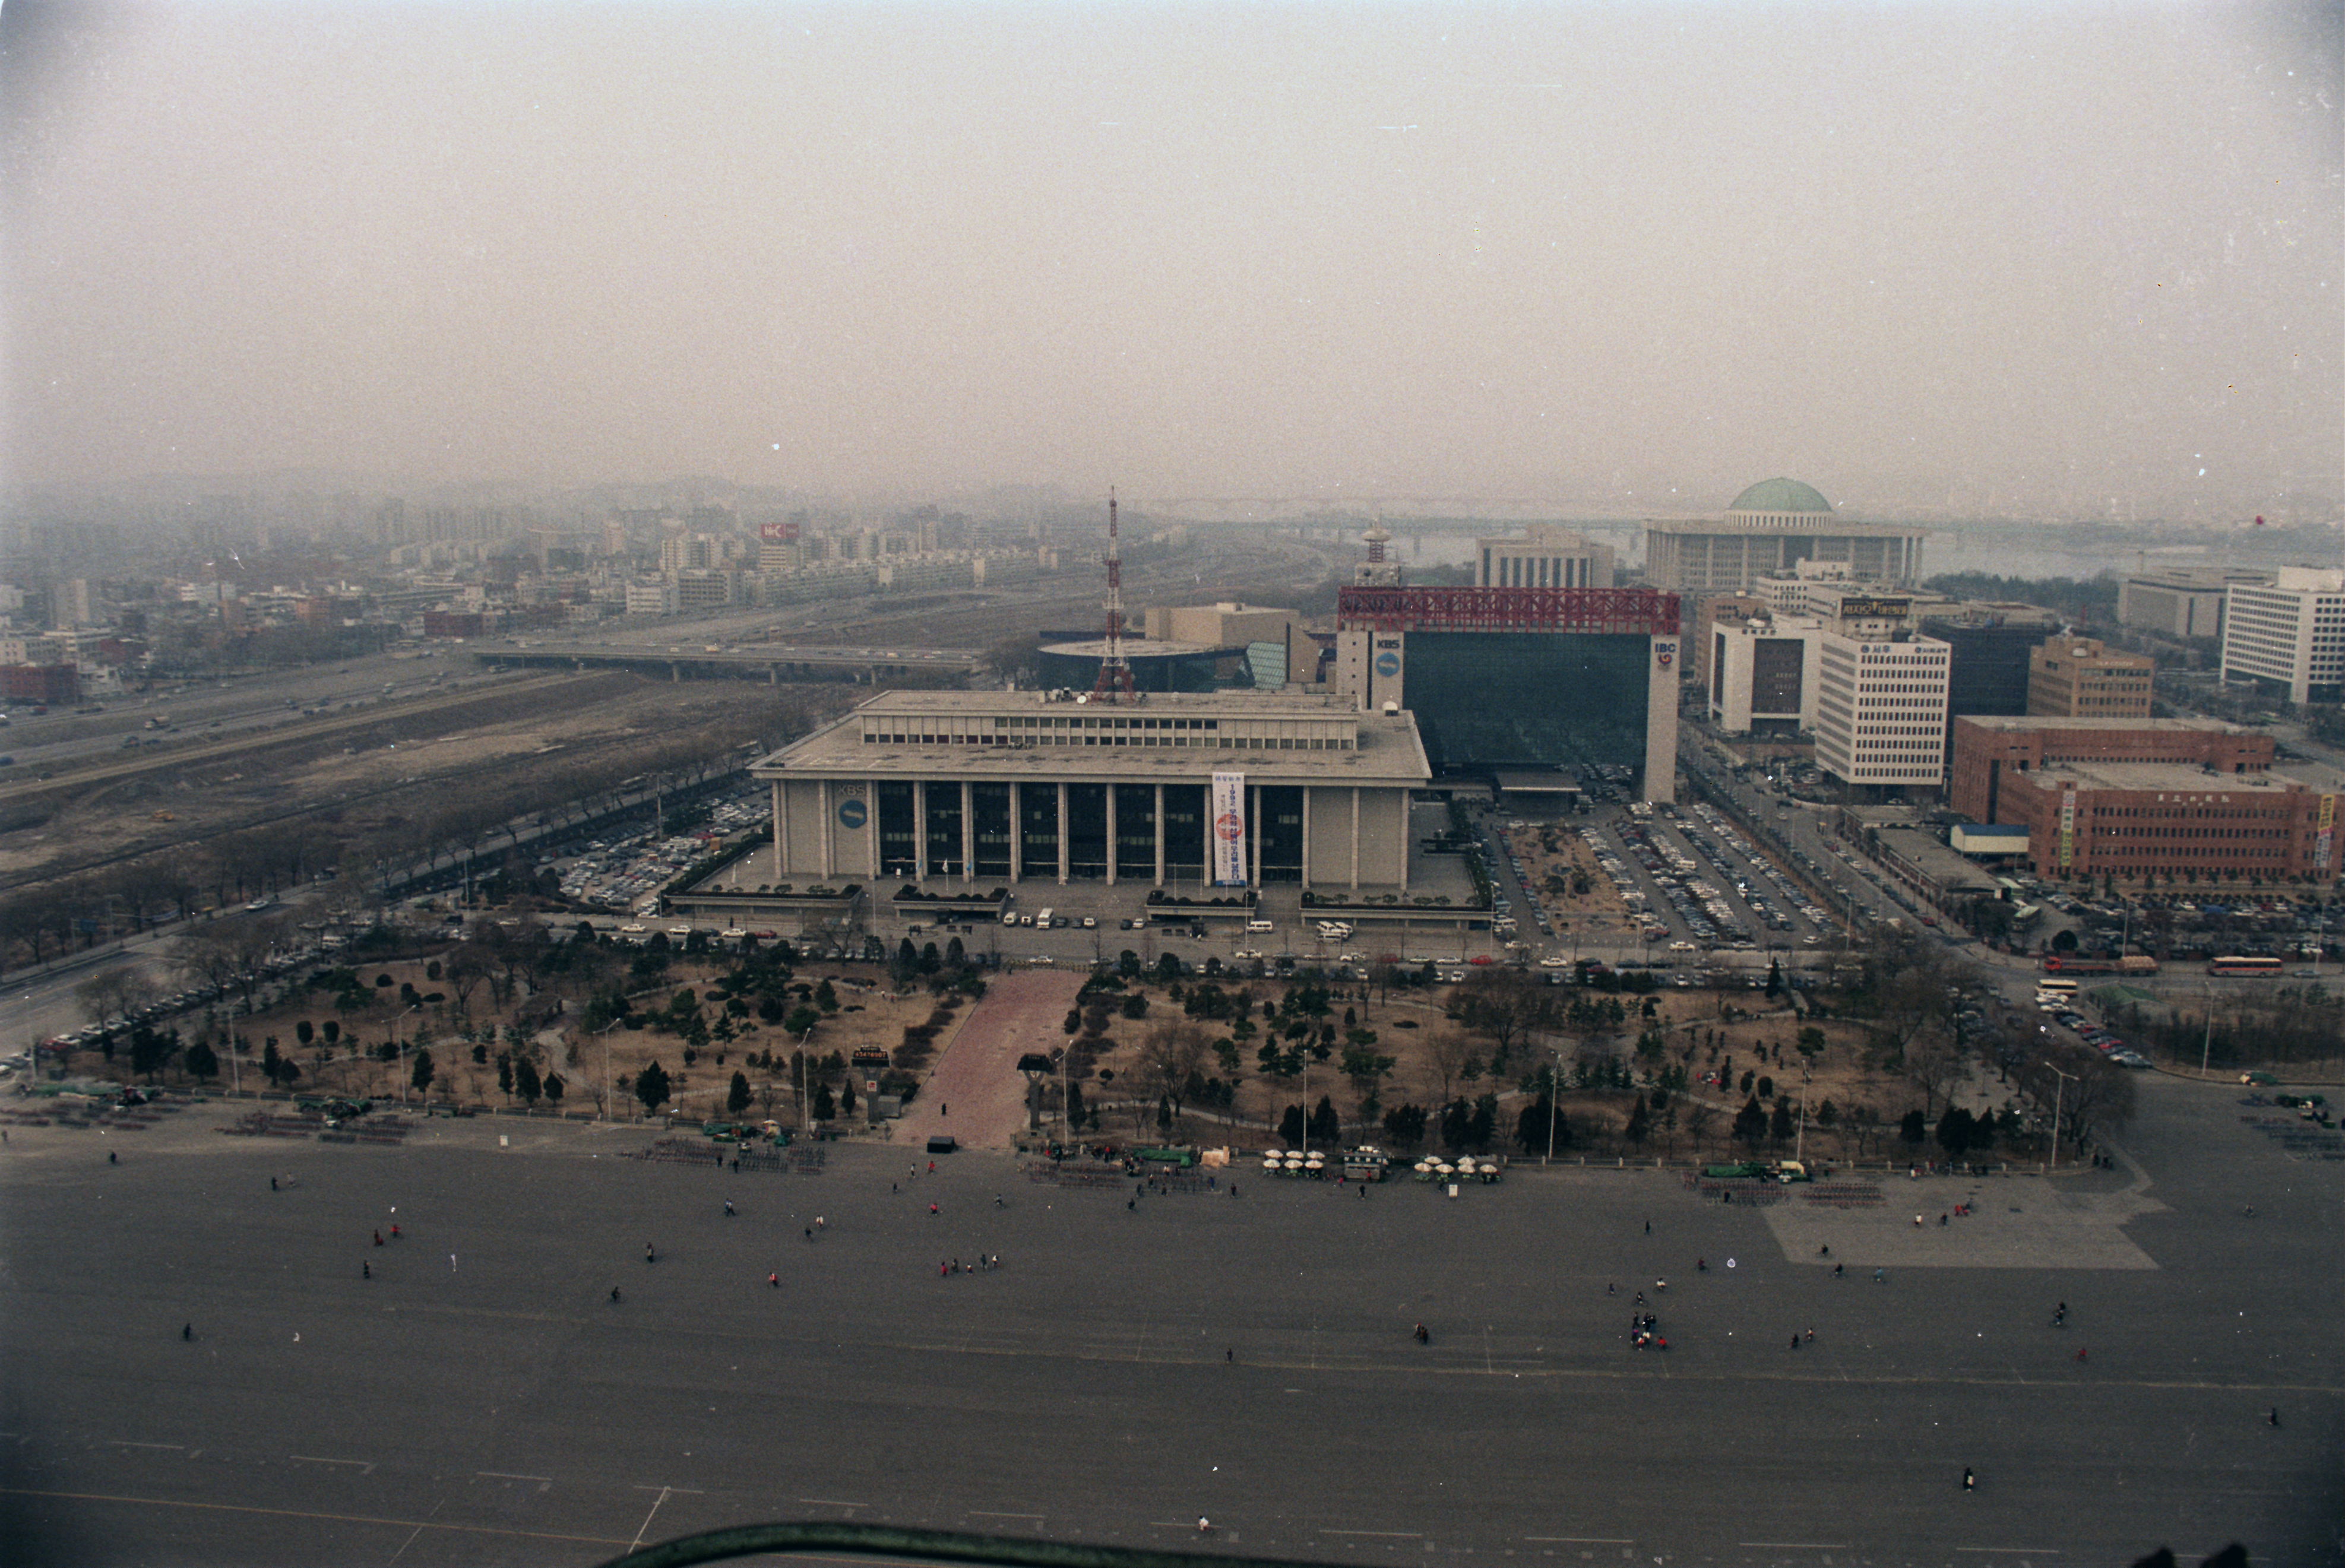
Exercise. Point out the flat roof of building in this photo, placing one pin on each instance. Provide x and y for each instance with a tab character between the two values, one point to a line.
2158	778
1822	522
1143	647
1385	751
2014	725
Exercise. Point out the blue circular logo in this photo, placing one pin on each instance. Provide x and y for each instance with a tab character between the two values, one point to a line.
851	813
1388	663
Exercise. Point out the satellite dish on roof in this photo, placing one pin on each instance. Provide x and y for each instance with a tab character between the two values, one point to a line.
1392	709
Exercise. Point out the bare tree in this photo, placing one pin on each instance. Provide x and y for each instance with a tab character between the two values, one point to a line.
1446	1052
1170	1054
1932	1064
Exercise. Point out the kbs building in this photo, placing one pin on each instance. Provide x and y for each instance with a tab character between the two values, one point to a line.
2289	635
1771	528
991	788
1575	679
2078	678
2192	798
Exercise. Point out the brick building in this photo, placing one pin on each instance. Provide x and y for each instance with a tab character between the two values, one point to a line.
2080	678
40	683
2137	798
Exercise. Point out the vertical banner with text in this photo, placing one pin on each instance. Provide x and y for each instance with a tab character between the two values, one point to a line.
1229	820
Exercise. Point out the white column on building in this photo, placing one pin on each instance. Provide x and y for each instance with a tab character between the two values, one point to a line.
1355	838
1160	835
1306	835
872	824
968	830
826	830
1017	833
781	829
920	832
1064	846
1253	833
1110	834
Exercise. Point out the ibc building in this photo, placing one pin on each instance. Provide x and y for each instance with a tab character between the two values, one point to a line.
1570	679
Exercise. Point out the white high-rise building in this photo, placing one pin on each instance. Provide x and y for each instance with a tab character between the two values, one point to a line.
2288	634
1880	709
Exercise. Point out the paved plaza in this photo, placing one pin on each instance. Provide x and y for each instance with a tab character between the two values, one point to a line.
1136	1362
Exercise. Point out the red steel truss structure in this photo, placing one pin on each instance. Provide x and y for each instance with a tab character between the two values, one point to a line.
1646	610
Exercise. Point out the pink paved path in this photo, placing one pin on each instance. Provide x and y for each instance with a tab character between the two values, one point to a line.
977	1075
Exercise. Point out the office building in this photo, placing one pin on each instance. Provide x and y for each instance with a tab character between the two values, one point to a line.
1544	556
2181	601
2178	799
1880	709
2289	635
1771	528
995	787
1763	675
2080	678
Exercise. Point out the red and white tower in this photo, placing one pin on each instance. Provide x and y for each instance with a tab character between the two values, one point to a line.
1115	674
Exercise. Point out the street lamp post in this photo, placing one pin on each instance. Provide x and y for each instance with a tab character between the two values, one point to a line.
1554	1102
2056	1092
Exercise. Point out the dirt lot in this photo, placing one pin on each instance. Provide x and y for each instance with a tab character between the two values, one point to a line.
1570	863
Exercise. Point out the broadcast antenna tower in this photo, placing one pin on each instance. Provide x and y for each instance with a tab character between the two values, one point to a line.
1115	675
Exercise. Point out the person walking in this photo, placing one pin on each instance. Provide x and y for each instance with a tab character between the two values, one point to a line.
728	1208
188	1332
650	1256
366	1269
773	1280
1970	1481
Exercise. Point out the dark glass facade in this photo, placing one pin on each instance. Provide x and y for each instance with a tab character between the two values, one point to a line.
1986	667
990	804
1184	831
1486	699
944	846
1135	831
1280	833
899	843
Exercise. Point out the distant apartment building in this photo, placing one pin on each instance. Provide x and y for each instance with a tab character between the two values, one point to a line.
2181	601
688	553
2289	635
1544	555
2081	678
1880	709
651	598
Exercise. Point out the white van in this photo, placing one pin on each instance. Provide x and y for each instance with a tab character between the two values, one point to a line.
1258	924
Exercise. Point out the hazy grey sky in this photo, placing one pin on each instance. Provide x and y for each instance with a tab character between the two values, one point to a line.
2039	251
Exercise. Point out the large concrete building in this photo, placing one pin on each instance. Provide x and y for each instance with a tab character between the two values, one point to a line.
2194	799
1763	675
2181	601
1544	555
2081	678
999	787
1770	528
2289	635
1570	679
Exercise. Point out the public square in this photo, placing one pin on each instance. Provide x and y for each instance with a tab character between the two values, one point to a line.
1137	1363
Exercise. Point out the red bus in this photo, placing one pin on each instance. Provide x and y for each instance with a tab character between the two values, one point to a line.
2235	965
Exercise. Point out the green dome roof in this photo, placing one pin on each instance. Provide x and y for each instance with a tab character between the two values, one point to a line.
1780	495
